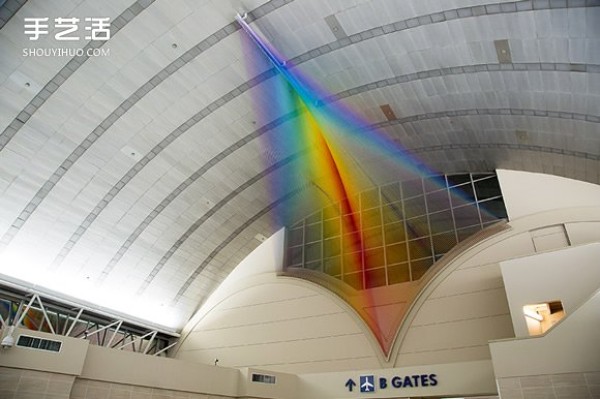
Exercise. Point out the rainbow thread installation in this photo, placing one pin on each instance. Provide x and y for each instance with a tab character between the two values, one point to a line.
329	135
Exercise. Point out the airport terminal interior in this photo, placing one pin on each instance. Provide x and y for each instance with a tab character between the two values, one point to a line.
294	199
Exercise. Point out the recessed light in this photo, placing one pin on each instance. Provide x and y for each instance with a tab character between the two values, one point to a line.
131	153
27	84
174	45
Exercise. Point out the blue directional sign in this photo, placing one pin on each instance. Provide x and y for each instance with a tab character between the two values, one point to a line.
367	383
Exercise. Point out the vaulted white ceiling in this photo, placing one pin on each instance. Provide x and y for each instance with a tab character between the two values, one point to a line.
137	180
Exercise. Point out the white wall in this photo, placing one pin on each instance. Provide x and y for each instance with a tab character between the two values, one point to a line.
267	259
115	366
527	193
281	324
69	360
571	346
570	275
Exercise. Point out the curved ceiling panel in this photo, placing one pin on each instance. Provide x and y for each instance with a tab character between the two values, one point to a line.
138	179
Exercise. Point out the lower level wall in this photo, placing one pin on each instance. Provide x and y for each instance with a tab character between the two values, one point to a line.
551	386
30	384
89	389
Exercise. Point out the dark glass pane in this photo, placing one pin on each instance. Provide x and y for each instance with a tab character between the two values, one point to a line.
350	223
462	195
414	207
412	188
419	268
392	213
374	258
466	216
417	227
419	248
295	237
372	238
434	183
44	344
369	199
443	243
371	218
333	266
375	278
390	193
351	242
455	180
331	227
487	188
493	209
398	274
354	280
25	341
54	346
295	256
394	233
441	222
396	253
313	252
332	247
352	262
438	201
313	232
332	211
